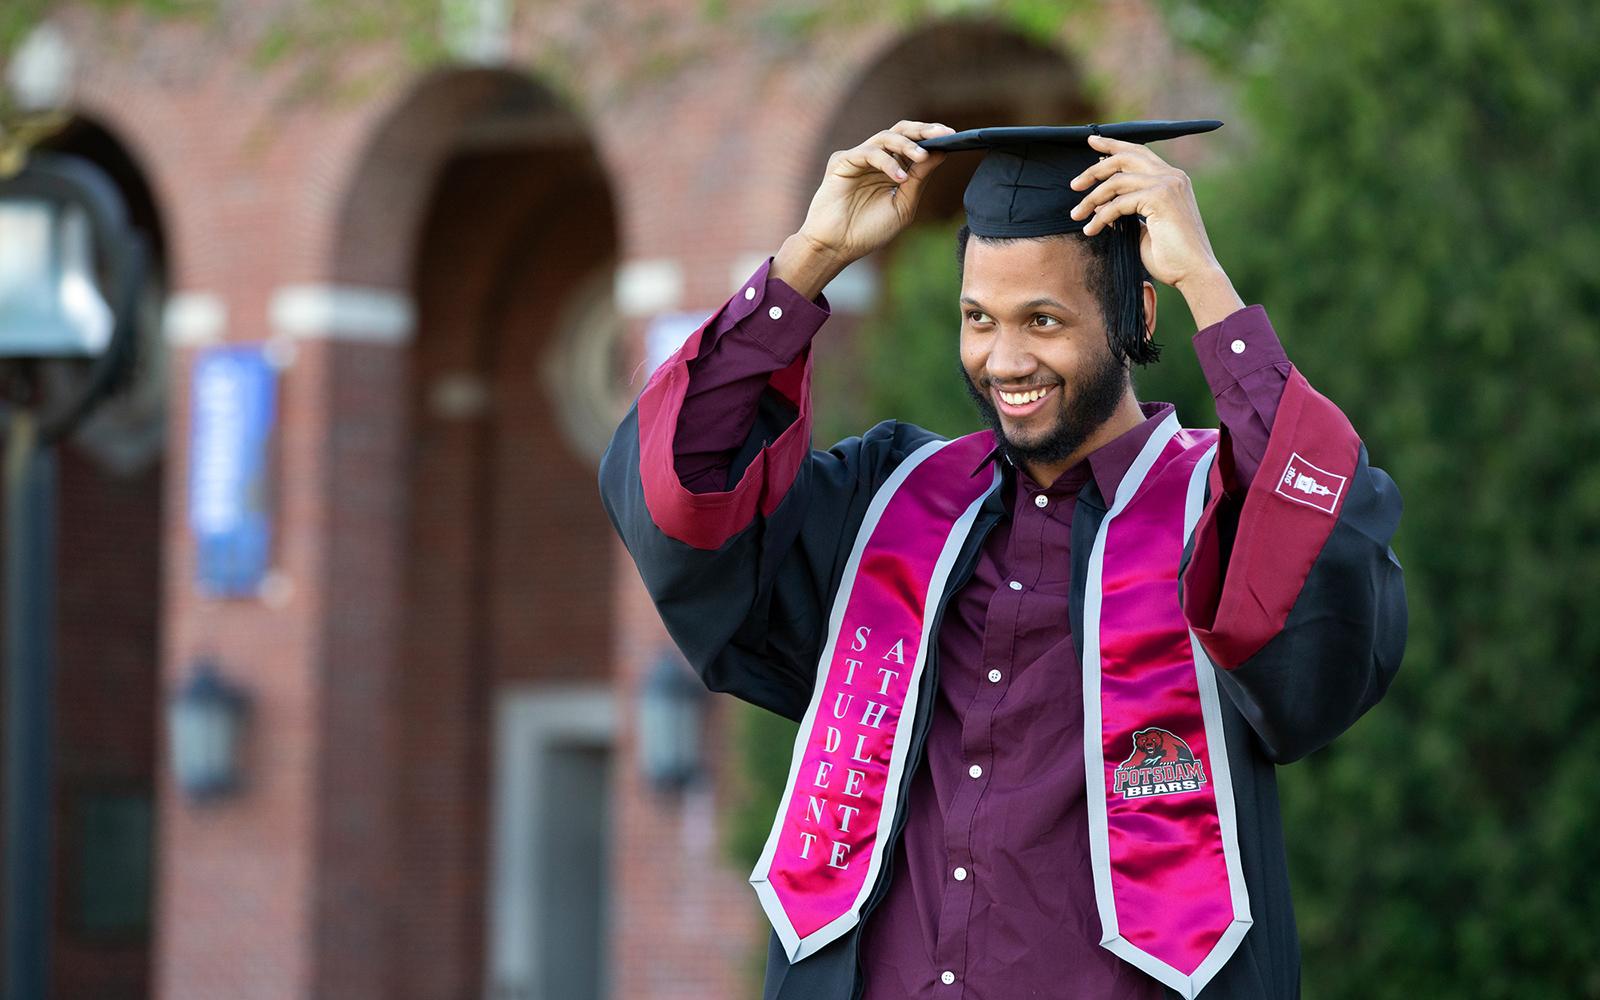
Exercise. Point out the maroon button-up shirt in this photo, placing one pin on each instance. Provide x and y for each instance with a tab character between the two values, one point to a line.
991	880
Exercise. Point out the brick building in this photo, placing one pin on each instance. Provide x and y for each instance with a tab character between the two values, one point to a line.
457	267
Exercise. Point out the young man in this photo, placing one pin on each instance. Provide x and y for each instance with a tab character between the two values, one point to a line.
1043	673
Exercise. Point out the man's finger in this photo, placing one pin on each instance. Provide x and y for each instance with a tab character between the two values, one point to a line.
1117	184
1119	162
1137	150
867	159
920	130
906	147
1106	144
885	161
899	146
1111	211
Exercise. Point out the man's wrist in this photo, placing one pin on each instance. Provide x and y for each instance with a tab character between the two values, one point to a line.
805	266
1210	296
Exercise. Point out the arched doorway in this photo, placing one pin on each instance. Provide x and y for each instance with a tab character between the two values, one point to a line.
507	591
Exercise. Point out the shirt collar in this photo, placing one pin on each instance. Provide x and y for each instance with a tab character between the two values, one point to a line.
1108	463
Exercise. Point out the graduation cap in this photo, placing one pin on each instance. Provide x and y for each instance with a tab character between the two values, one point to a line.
1022	189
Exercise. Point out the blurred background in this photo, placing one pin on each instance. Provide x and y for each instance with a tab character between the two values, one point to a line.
325	676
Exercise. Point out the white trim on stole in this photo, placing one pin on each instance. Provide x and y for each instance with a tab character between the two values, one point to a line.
1093	754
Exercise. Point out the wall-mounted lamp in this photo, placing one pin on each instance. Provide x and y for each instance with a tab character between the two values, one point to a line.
205	727
672	711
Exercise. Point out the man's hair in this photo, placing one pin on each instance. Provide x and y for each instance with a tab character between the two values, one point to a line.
1115	275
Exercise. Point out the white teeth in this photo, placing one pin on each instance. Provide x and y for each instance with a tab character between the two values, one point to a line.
1020	398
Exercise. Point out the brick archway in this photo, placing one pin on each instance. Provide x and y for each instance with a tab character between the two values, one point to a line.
483	197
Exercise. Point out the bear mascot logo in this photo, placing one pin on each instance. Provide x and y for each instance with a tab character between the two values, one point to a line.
1157	746
1161	764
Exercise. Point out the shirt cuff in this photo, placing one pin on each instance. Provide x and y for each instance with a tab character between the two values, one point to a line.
1242	343
780	320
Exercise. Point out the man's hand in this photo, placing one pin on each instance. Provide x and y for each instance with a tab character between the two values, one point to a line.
1131	181
868	195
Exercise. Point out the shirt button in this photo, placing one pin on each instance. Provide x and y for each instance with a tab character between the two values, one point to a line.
1040	500
947	977
961	874
994	677
775	312
1014	585
1237	347
750	293
975	770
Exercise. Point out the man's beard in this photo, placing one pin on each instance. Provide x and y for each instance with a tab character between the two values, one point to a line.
1092	402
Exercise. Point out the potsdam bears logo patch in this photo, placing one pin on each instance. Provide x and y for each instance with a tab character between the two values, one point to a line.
1161	764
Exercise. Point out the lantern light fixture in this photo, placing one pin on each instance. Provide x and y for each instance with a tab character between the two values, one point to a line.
672	716
205	722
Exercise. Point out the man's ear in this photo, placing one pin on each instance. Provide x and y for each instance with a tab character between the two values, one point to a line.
1149	293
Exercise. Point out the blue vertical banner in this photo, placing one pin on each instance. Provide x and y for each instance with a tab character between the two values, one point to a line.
233	410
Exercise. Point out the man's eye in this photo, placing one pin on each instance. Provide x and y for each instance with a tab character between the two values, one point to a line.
1051	319
977	317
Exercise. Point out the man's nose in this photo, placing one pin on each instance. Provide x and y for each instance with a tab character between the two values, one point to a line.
1010	358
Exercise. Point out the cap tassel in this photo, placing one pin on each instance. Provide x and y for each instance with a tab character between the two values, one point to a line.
1128	275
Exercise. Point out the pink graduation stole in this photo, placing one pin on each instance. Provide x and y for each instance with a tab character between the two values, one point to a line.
1163	841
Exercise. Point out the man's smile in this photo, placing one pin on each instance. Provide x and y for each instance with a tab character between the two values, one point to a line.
1022	402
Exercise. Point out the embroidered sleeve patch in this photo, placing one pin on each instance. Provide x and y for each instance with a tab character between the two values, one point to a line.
1304	483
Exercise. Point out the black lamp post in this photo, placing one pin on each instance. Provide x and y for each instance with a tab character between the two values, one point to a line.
205	723
71	268
672	711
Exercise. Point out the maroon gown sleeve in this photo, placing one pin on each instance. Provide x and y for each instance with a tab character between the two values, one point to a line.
1247	369
1259	536
739	352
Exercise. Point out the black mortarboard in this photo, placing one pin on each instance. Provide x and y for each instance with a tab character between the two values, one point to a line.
1022	189
1021	186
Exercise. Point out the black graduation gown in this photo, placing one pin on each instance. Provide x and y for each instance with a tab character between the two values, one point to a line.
744	582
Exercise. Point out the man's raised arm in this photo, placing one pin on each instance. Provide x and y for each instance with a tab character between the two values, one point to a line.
1290	585
698	414
736	525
